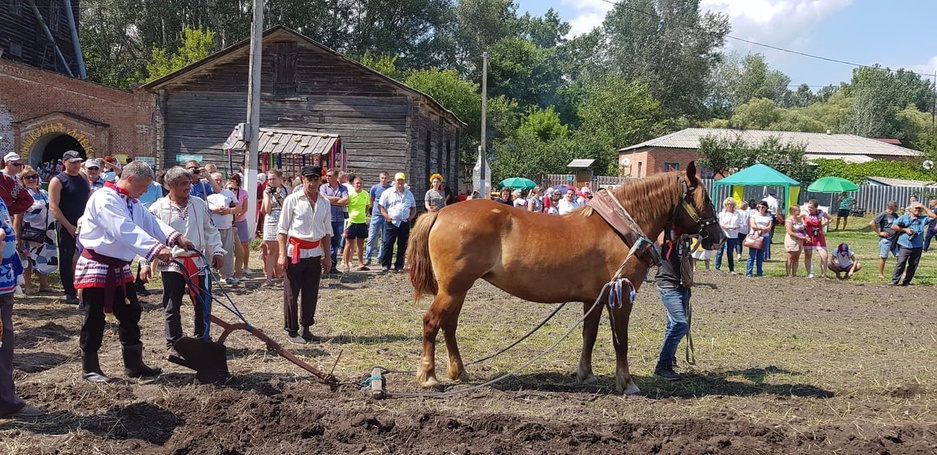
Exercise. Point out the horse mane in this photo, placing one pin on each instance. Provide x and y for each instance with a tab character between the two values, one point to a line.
650	197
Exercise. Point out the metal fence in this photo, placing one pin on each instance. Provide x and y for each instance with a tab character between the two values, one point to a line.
869	198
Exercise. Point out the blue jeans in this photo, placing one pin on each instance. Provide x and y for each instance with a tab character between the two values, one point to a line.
336	246
729	245
767	243
375	231
756	258
675	300
399	235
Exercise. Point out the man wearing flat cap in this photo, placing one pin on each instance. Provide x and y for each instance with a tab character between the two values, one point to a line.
303	234
398	208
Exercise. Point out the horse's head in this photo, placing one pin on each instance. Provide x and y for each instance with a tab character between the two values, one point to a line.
695	214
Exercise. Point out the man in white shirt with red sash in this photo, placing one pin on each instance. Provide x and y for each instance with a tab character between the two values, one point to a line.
114	229
304	231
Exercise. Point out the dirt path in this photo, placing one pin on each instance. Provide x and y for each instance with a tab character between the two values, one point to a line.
784	366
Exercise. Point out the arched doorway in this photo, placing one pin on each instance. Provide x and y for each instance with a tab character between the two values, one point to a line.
51	147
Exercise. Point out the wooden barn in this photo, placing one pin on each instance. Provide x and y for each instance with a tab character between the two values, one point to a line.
310	89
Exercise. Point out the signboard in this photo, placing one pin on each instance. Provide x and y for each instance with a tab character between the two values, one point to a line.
181	158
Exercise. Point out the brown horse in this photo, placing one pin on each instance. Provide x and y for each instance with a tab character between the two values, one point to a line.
449	250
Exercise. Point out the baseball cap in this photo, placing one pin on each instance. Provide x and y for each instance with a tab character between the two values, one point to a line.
309	171
71	156
400	176
93	163
12	157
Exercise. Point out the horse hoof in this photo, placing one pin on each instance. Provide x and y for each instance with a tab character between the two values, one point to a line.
429	383
631	389
586	378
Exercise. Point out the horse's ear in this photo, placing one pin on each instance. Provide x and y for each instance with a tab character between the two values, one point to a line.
691	174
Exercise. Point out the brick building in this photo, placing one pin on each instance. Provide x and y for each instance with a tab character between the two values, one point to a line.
43	114
674	151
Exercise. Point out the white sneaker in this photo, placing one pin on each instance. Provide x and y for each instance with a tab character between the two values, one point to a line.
811	276
248	272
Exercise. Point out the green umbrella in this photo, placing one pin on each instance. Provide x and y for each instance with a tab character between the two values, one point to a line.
832	185
518	183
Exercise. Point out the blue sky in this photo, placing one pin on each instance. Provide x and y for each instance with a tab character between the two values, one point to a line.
891	33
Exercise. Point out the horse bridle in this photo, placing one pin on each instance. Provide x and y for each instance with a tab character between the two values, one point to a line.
688	208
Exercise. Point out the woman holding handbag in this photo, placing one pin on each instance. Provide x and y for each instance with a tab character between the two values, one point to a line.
759	225
35	234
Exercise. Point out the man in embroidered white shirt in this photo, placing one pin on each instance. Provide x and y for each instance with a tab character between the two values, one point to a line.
303	233
115	228
189	215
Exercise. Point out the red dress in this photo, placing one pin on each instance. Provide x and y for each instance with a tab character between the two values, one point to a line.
814	224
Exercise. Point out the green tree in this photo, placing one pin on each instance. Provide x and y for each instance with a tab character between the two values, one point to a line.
615	113
544	124
732	153
196	45
667	45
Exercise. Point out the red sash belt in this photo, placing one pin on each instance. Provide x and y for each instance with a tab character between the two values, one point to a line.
114	269
299	244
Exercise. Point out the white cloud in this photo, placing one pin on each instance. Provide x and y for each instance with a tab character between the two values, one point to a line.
781	23
588	14
928	68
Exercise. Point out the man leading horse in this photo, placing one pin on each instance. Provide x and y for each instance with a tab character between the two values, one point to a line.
499	243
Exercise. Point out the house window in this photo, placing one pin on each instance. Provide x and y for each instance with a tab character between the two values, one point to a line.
439	164
640	168
16	7
448	166
284	68
428	154
670	166
55	15
16	50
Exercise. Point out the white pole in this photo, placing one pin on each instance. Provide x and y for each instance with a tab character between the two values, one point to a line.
253	114
483	149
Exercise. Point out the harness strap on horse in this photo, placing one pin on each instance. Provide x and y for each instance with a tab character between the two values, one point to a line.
611	210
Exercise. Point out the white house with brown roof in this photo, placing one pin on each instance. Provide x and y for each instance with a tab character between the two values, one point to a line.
675	151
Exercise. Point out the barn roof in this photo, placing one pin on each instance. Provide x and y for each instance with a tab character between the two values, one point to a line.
279	33
288	142
815	143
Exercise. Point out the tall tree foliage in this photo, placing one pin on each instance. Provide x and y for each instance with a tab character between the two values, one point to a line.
196	45
667	45
724	155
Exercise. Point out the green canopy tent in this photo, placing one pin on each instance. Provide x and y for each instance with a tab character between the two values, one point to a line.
761	175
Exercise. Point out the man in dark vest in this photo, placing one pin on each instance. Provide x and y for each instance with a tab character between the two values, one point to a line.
68	195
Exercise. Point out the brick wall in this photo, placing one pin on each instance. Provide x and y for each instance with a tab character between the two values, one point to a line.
111	121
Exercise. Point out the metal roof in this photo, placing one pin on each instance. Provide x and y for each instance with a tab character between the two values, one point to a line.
288	142
580	163
851	159
816	143
899	182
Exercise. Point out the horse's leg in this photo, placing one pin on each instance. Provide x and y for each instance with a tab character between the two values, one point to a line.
590	329
444	314
619	320
456	369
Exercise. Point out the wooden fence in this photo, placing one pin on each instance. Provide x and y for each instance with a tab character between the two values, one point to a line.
869	198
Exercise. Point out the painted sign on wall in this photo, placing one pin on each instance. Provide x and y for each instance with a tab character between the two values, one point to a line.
50	128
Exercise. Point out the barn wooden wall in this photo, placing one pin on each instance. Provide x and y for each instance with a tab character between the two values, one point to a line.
18	26
383	126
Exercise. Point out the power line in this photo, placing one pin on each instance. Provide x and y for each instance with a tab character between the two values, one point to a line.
777	48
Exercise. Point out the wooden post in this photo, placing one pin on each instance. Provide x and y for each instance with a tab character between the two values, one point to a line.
377	383
253	114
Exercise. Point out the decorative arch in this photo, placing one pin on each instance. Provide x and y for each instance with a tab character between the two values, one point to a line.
47	137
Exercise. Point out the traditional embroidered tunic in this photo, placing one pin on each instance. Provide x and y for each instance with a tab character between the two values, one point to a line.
194	222
117	226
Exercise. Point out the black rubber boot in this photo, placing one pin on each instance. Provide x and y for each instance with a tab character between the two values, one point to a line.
91	369
133	363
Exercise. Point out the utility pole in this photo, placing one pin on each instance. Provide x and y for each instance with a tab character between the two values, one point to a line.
483	148
253	114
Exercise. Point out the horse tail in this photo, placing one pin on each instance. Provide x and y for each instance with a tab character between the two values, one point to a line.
422	276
